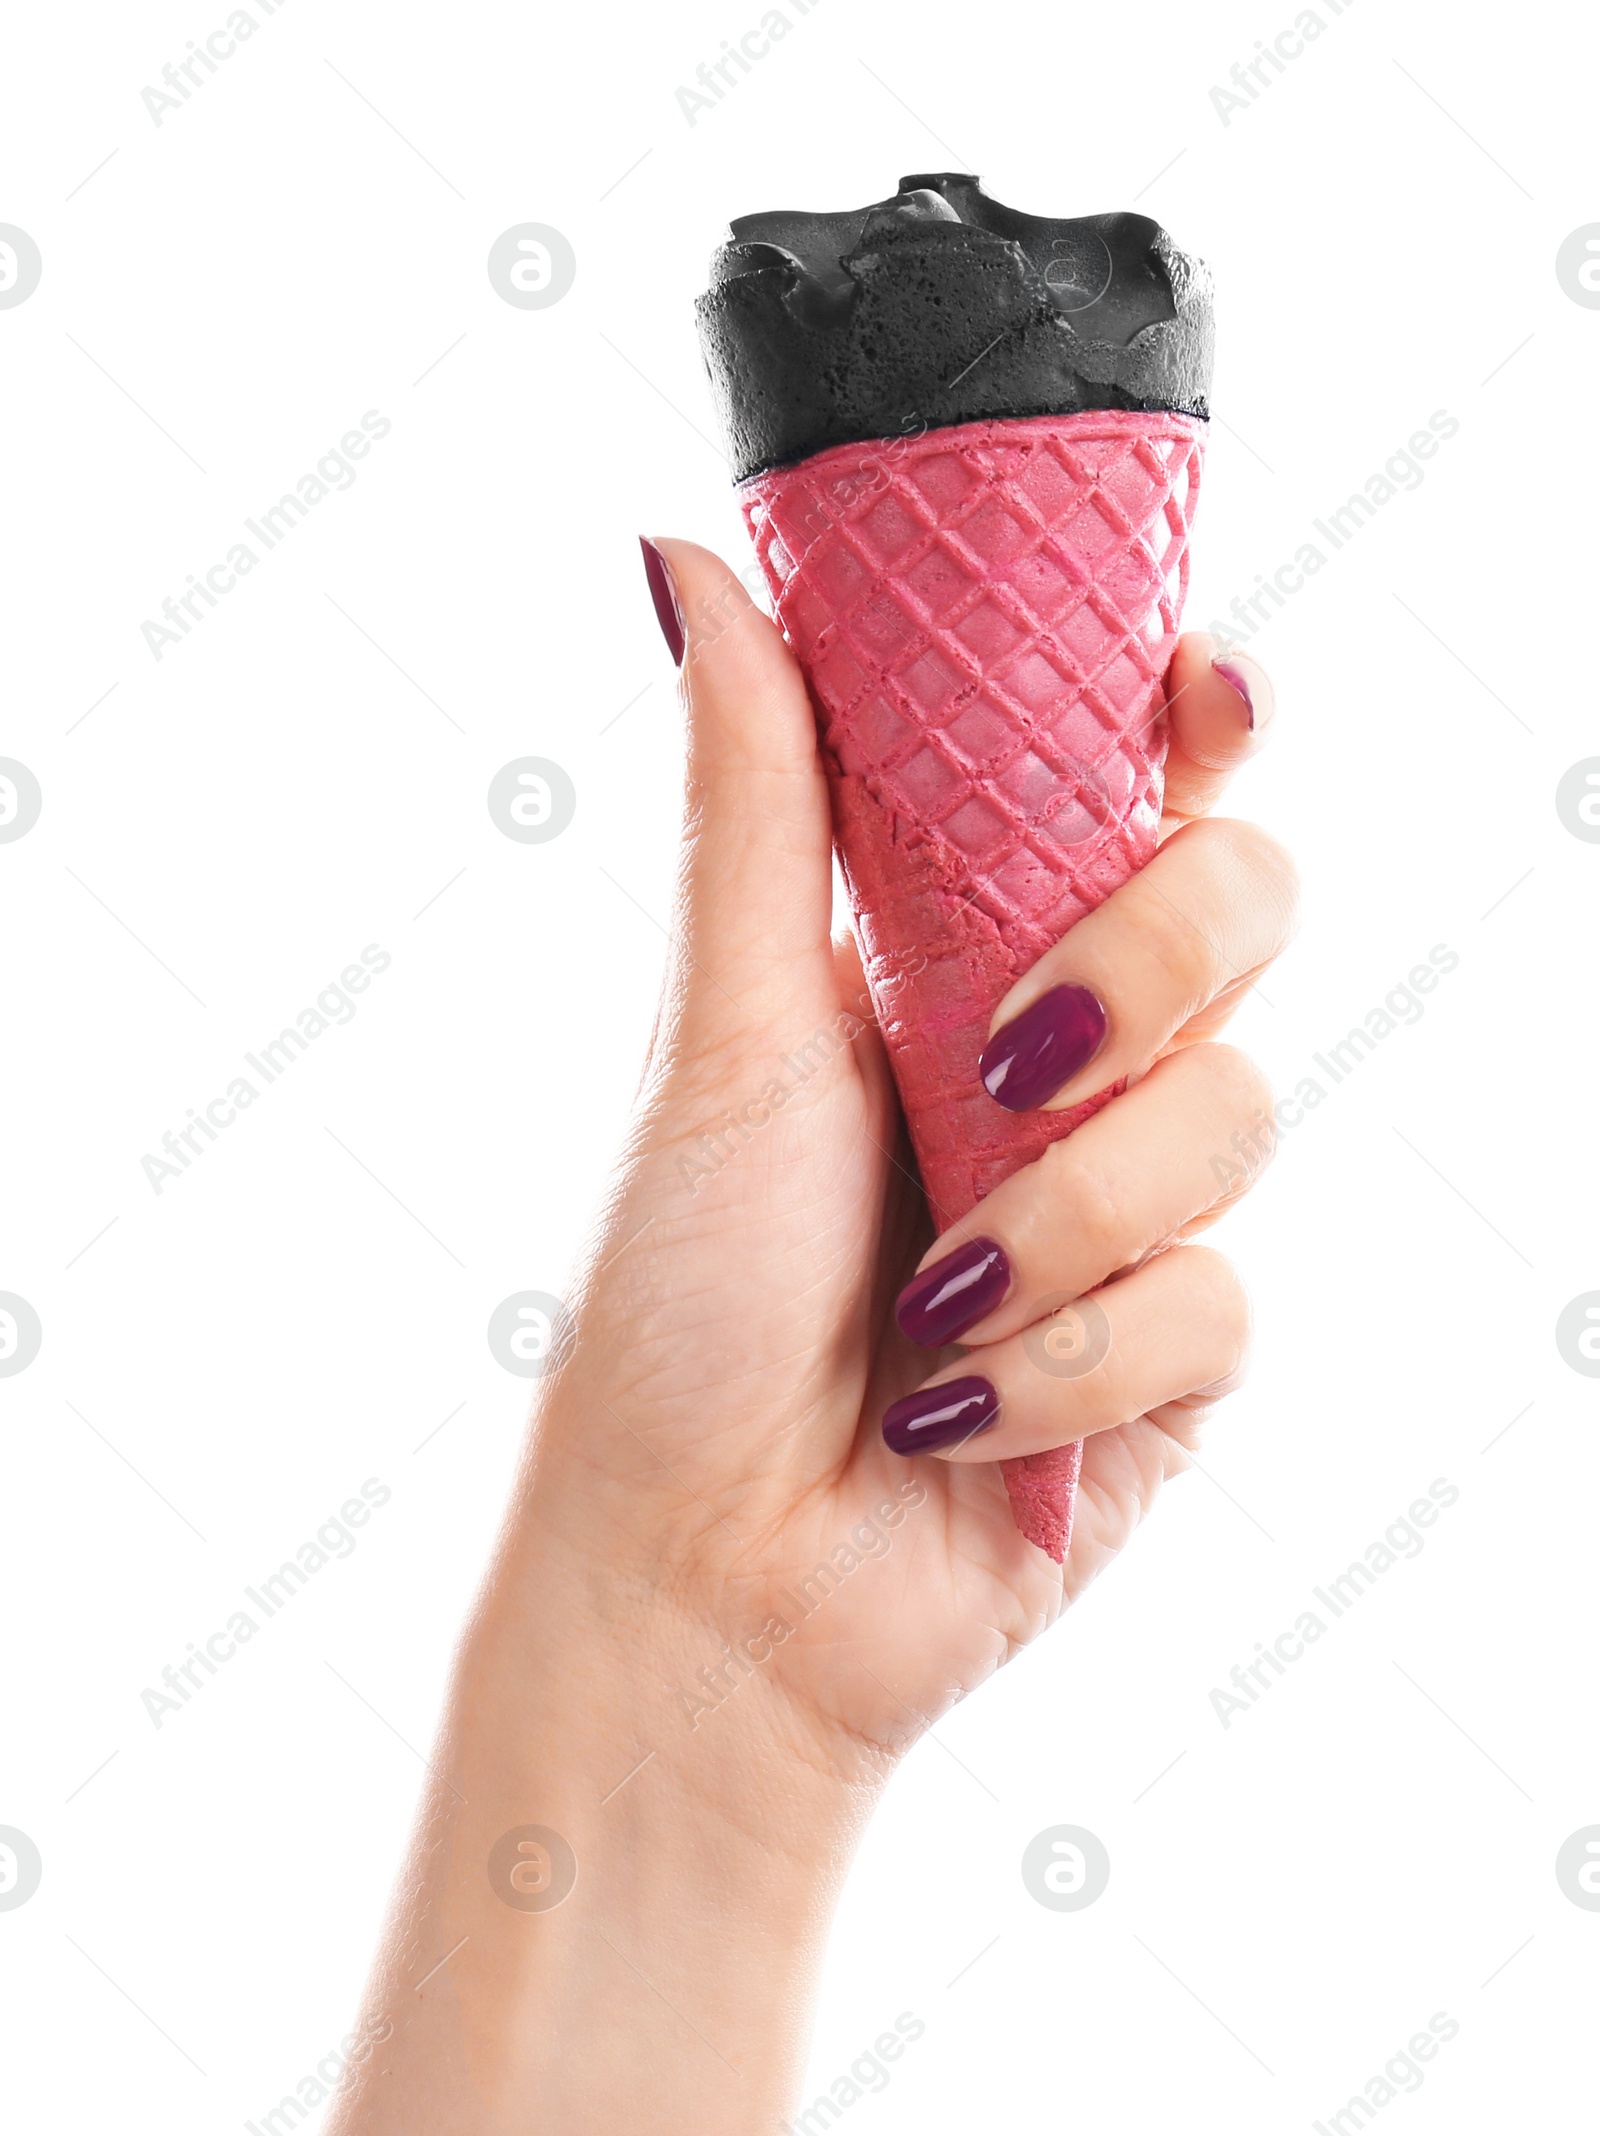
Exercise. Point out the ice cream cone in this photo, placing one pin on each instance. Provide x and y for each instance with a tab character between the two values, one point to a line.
984	600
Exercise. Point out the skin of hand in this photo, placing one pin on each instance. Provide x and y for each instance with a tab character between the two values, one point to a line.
721	1609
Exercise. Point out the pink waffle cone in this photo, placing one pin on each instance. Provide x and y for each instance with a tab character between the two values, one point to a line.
985	615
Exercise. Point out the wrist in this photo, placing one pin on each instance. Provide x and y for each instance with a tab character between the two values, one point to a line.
640	1718
609	1860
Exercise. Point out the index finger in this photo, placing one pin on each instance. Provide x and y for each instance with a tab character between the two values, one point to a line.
1219	704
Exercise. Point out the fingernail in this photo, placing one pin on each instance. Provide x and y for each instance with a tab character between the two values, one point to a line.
1233	676
936	1417
665	595
1030	1058
955	1293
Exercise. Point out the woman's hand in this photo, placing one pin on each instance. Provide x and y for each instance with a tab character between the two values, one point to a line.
716	1426
721	1595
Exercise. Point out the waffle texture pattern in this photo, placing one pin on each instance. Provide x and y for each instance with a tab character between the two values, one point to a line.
985	614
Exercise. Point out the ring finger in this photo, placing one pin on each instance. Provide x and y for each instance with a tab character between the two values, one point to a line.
1145	1170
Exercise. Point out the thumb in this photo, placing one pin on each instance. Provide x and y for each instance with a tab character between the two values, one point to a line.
755	891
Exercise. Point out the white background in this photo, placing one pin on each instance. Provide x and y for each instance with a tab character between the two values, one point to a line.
1374	1841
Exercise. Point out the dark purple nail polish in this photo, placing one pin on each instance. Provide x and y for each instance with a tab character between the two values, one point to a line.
954	1293
1030	1058
665	595
936	1417
1234	678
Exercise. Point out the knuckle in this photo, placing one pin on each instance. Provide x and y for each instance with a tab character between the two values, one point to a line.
1236	1080
1091	1201
1215	1275
1232	847
1235	1102
1218	1295
1179	946
1255	1091
1266	865
1233	879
